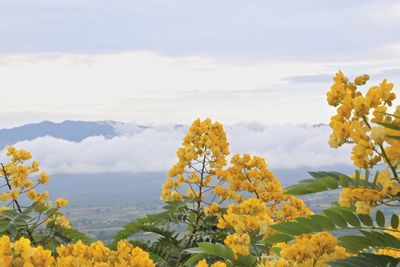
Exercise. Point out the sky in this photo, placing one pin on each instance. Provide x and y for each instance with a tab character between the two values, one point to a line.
172	61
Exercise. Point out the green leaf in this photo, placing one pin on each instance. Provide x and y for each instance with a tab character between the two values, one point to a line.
276	238
367	173
391	240
316	227
246	261
336	218
365	219
298	190
396	137
375	240
353	243
375	179
323	221
4	225
20	221
290	228
389	125
351	218
9	214
13	230
317	175
276	251
74	235
394	221
380	218
357	179
217	250
330	182
195	258
366	260
344	181
39	207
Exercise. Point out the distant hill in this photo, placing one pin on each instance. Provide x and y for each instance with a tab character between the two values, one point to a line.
74	131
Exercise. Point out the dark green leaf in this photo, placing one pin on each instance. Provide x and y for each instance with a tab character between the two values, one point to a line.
290	228
389	125
276	251
217	250
351	218
344	181
365	219
195	258
375	179
4	225
13	230
394	221
323	221
380	218
316	227
277	238
336	218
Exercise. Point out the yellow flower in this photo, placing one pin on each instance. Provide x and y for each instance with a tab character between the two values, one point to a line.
61	203
211	209
202	263
362	207
5	196
14	193
312	250
43	178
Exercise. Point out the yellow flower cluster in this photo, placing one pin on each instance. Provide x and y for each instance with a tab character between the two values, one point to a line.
365	198
251	215
308	250
201	169
21	253
16	176
203	263
96	254
202	153
238	243
351	124
251	175
267	206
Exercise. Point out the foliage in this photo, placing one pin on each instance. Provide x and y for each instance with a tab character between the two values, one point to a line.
373	238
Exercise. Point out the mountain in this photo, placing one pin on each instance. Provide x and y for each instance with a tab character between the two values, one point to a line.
69	130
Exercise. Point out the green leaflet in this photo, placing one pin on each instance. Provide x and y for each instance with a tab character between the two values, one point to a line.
389	125
323	221
367	260
394	221
365	219
351	218
290	228
380	218
277	238
217	250
336	218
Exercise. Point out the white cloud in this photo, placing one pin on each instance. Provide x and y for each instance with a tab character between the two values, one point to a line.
154	149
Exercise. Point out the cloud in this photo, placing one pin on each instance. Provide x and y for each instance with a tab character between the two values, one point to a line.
154	148
311	78
227	28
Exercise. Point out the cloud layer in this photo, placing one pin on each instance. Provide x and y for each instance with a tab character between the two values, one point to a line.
154	148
